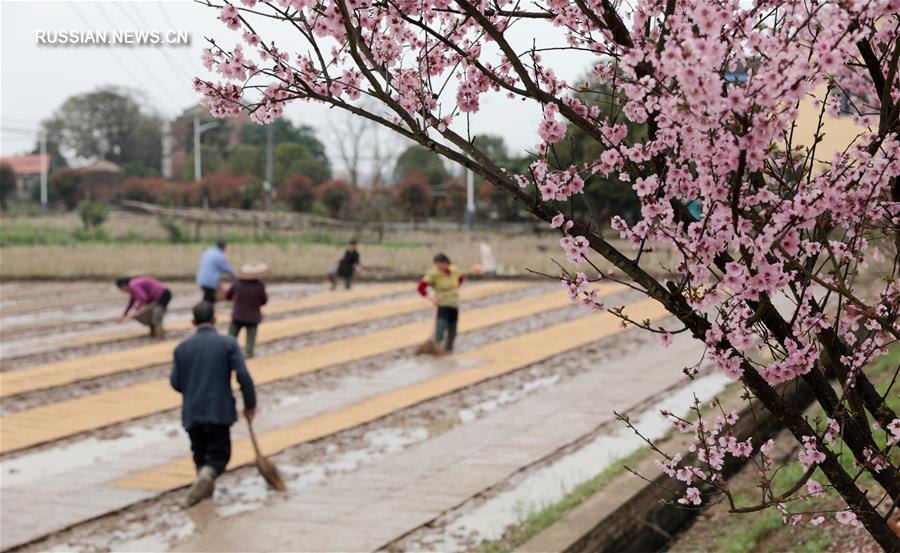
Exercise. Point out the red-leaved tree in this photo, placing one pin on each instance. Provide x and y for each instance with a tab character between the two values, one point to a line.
414	196
299	192
771	232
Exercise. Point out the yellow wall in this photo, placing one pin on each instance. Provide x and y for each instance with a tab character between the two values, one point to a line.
838	132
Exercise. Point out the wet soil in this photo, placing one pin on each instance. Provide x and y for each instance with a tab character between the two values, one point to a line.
159	523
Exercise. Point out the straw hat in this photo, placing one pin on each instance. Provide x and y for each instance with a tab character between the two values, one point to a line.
253	270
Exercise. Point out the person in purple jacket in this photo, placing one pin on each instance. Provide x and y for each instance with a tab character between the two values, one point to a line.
146	293
248	294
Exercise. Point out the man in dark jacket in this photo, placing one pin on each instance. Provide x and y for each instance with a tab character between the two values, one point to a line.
202	374
346	266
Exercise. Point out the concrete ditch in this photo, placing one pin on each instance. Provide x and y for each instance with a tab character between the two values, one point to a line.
631	515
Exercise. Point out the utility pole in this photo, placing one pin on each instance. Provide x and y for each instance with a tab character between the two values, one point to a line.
166	169
267	184
198	131
197	175
470	199
44	169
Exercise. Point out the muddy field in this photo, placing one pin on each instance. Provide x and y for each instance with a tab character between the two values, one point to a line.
432	441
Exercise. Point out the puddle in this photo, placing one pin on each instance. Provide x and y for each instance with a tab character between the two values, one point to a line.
548	485
89	451
503	397
158	541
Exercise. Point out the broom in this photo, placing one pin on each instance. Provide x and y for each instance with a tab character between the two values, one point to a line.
430	347
268	471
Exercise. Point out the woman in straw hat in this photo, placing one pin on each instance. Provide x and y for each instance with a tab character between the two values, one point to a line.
248	293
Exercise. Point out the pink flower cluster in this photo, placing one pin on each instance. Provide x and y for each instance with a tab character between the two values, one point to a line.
550	129
810	455
580	292
712	445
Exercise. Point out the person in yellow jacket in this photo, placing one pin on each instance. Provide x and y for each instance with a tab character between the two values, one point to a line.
444	279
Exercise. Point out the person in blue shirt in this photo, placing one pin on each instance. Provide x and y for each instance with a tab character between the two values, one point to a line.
213	264
201	373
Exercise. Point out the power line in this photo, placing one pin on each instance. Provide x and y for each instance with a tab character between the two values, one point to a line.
5	128
115	56
171	65
191	60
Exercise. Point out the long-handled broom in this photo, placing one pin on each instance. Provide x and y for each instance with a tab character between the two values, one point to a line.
268	471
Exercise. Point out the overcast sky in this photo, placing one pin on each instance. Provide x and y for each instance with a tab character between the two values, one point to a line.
35	79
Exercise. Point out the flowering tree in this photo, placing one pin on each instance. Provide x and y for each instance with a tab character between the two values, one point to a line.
771	234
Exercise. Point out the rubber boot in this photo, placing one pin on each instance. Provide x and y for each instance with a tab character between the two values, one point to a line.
203	486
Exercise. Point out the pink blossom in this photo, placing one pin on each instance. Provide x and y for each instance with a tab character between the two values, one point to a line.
810	454
550	129
814	488
847	517
894	428
665	338
229	15
692	497
576	248
833	431
557	220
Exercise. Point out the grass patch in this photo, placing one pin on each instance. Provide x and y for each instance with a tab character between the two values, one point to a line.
745	534
538	521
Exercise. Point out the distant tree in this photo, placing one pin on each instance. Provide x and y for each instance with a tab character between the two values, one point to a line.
247	159
223	189
284	131
297	150
251	194
377	204
57	160
136	169
108	123
66	186
491	201
7	184
417	159
216	138
452	202
299	193
211	161
337	197
295	158
93	215
414	196
496	204
152	190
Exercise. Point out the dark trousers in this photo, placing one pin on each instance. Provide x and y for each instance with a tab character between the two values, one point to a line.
447	318
211	445
334	275
209	294
165	298
235	328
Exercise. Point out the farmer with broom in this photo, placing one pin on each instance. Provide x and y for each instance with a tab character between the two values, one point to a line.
213	264
248	294
149	298
445	279
202	375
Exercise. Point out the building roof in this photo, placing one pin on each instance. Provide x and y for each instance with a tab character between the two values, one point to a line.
103	166
26	165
